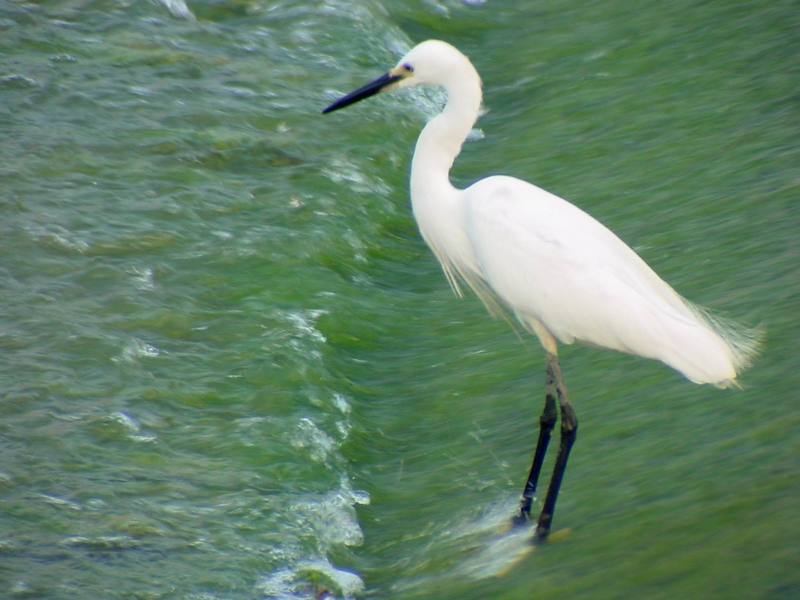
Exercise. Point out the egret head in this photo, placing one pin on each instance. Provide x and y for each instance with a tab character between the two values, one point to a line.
432	62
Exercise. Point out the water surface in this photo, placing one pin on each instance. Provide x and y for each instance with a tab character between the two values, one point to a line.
232	369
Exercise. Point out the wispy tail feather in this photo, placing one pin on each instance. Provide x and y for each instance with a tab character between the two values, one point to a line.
743	343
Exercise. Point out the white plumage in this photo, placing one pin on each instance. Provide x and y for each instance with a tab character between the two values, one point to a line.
591	286
565	276
562	273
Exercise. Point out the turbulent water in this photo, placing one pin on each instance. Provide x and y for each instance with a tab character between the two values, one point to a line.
231	368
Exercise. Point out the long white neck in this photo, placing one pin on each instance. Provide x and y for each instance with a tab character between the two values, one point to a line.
437	205
440	141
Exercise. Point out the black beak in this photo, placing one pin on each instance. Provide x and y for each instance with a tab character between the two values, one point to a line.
363	92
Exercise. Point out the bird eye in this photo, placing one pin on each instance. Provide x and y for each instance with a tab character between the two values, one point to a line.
408	67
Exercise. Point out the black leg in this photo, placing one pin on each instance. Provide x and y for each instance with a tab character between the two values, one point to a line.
569	430
546	423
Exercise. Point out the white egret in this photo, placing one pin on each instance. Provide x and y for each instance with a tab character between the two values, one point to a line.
563	275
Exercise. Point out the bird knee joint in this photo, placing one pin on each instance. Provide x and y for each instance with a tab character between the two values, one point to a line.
548	419
569	422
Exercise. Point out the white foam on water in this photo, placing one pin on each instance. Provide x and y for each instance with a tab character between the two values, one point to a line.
136	349
143	278
310	437
132	427
179	9
294	582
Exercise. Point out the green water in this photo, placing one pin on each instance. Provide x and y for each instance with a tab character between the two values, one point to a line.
231	368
